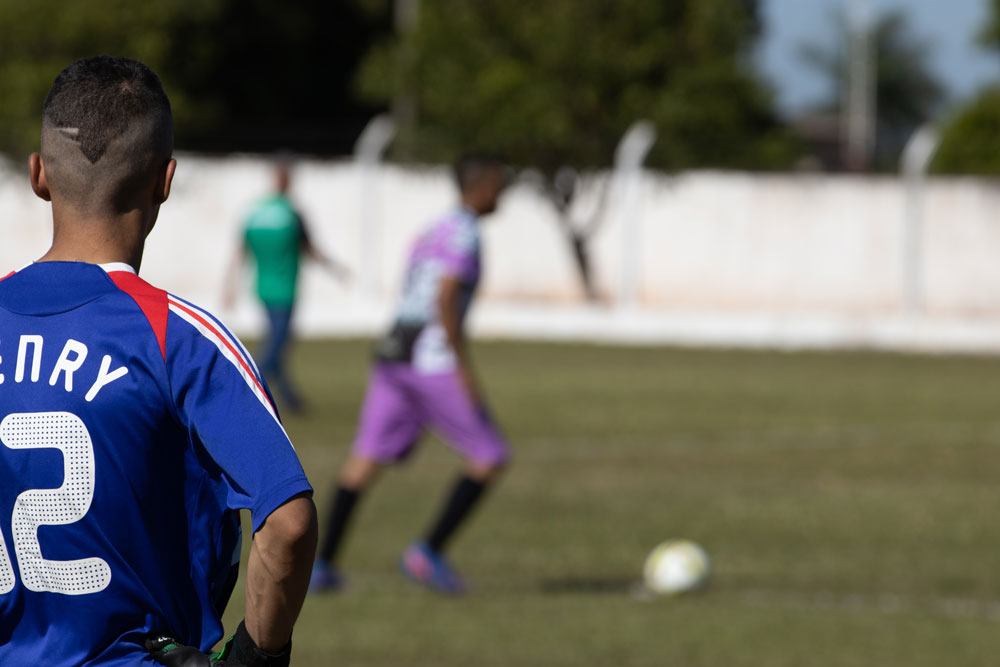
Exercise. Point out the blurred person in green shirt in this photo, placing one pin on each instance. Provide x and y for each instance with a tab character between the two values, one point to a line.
276	237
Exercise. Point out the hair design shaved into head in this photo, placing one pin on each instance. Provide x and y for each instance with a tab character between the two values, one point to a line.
106	126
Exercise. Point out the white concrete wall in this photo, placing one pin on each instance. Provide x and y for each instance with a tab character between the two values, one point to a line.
719	244
810	242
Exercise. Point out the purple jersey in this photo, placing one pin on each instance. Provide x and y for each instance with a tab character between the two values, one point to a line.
133	428
450	247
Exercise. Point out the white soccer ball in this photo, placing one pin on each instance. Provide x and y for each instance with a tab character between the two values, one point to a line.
675	567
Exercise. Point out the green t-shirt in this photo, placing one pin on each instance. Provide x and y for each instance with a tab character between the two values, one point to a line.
273	233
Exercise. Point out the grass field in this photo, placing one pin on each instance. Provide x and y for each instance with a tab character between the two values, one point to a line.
848	502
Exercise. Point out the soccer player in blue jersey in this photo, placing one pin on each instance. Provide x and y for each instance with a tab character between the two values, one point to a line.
133	426
423	379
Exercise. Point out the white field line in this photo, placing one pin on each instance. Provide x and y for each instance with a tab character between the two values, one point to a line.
587	448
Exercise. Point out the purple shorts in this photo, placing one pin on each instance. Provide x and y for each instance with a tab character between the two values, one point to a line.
401	403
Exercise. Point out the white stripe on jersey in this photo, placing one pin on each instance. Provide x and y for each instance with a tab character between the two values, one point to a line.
222	330
246	354
212	333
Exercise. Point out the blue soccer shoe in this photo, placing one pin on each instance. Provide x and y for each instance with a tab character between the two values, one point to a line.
420	564
324	578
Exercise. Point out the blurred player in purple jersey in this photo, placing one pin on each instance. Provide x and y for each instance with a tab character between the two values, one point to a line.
134	426
423	378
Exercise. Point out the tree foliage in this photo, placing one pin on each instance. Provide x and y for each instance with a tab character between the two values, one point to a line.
241	74
970	141
38	39
559	82
990	34
548	83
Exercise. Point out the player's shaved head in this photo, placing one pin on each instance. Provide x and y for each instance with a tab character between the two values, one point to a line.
471	169
284	163
106	131
480	177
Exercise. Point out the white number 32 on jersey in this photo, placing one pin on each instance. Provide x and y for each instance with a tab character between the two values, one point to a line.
51	507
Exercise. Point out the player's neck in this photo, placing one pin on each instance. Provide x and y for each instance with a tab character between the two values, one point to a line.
471	207
101	239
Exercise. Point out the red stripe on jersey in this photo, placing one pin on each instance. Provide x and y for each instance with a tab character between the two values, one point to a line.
152	302
8	275
208	324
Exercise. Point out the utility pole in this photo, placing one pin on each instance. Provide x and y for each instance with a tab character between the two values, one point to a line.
859	110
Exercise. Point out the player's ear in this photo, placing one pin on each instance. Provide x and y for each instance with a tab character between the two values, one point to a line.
36	172
164	178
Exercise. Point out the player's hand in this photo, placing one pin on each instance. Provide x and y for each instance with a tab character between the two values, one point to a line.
166	651
471	386
339	271
242	651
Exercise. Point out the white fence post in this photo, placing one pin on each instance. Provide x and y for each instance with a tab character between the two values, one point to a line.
368	150
914	163
629	156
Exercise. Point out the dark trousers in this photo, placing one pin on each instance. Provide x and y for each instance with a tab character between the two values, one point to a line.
272	353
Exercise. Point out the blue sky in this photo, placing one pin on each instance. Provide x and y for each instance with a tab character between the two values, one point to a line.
949	26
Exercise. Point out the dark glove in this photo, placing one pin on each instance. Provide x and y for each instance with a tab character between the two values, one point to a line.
241	651
168	652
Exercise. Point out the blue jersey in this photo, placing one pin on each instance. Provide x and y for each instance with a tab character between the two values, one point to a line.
133	428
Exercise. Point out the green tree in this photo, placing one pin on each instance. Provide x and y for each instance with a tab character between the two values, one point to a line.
241	74
38	39
559	82
990	34
970	139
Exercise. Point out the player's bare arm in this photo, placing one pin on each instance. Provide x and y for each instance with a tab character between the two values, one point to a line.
277	578
335	268
449	306
278	572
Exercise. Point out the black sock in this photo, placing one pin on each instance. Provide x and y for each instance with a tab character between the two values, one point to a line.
462	499
340	514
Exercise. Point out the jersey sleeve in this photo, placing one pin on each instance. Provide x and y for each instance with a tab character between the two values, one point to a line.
221	399
460	253
303	231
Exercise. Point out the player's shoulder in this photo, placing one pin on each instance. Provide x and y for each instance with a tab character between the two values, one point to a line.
191	321
271	212
152	301
127	281
175	319
457	232
206	340
463	233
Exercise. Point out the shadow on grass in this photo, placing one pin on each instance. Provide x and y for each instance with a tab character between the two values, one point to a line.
589	585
